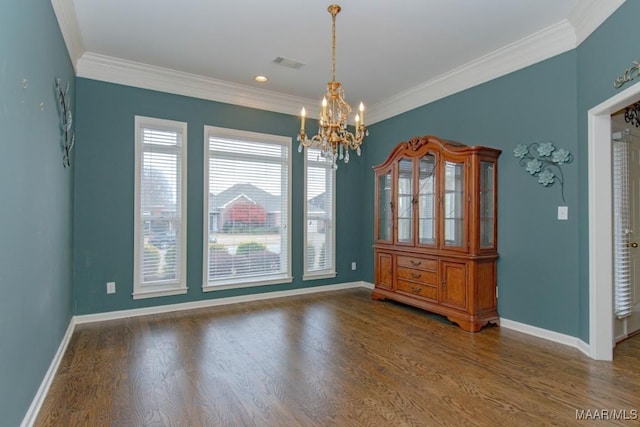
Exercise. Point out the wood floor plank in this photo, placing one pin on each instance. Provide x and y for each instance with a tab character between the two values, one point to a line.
330	359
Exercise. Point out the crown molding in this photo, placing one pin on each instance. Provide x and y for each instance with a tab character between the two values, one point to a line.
590	14
534	48
554	40
68	23
130	73
586	17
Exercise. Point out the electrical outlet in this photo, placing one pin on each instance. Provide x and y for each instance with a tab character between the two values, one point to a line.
111	287
353	265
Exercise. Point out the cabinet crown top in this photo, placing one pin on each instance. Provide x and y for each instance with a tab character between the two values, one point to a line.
420	145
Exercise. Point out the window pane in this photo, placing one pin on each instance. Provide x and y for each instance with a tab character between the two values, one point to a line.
405	201
384	207
319	192
486	204
453	203
247	207
160	205
426	196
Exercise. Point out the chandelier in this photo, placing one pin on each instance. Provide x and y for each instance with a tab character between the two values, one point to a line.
333	138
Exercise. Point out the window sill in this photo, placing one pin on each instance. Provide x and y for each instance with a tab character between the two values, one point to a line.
321	275
243	283
159	293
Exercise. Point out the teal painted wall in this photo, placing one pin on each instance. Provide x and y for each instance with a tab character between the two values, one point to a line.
104	193
601	59
543	270
538	265
36	193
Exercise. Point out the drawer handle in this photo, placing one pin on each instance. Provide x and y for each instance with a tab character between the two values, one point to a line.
415	263
416	275
415	289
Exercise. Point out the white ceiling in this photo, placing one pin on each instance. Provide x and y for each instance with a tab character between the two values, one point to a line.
392	54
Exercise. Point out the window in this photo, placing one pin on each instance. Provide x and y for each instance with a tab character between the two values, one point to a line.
247	209
160	208
319	232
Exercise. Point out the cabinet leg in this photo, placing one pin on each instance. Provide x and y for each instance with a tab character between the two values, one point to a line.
464	325
467	325
377	296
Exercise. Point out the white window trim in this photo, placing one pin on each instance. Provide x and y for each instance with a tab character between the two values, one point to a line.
244	282
329	272
140	290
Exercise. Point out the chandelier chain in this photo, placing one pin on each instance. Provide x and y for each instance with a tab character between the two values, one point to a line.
334	12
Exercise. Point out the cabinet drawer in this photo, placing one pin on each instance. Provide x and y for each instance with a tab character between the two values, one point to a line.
430	292
419	263
425	277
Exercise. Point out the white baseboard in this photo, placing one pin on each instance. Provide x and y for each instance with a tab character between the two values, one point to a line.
546	334
31	415
584	347
122	314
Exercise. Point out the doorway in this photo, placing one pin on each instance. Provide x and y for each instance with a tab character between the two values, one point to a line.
601	319
625	128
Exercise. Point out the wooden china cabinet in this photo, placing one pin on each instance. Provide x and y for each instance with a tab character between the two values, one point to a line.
435	229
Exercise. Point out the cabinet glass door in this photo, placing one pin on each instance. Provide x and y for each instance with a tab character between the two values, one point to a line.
453	204
384	207
426	201
404	219
487	208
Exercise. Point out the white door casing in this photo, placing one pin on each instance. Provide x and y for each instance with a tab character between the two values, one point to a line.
632	323
601	333
628	325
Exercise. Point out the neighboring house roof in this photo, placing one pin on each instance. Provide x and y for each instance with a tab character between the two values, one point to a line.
315	205
238	197
319	201
268	201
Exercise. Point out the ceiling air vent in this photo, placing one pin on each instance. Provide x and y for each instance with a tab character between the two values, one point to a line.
289	63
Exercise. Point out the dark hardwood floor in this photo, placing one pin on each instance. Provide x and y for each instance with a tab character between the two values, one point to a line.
329	359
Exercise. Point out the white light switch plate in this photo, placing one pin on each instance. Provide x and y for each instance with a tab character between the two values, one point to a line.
563	213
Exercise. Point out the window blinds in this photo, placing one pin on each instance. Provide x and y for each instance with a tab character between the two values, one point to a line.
319	190
161	205
247	207
622	231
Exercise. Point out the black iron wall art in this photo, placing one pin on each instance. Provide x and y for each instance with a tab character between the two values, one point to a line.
632	114
66	119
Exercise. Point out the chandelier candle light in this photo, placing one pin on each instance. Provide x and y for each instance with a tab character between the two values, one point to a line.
333	138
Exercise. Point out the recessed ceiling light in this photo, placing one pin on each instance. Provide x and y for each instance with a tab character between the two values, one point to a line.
261	79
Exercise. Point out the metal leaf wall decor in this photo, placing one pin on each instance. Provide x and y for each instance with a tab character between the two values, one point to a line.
544	160
68	137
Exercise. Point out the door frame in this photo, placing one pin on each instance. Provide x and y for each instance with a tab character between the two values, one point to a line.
601	334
